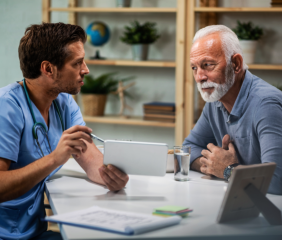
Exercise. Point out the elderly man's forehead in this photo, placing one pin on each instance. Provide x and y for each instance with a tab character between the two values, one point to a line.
210	44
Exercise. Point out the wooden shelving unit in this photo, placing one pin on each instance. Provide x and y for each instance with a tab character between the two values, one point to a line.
233	9
115	10
178	64
265	67
185	14
120	62
191	11
138	121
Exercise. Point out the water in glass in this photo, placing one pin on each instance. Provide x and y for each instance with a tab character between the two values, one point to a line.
181	166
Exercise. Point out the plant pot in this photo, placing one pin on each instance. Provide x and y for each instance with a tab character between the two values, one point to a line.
140	52
94	104
249	49
123	3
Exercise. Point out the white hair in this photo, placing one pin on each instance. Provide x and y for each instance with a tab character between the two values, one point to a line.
229	40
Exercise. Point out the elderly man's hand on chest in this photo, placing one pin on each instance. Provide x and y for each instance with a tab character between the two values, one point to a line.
216	159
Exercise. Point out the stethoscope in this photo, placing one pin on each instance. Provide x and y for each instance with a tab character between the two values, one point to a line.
39	124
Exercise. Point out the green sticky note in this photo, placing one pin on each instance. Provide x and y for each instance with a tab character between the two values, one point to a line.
170	208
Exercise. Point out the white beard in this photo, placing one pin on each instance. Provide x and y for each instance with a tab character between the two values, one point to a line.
219	89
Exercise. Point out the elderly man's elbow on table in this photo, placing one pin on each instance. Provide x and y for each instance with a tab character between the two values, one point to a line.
275	186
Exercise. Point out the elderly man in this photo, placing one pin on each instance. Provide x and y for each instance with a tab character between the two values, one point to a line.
241	121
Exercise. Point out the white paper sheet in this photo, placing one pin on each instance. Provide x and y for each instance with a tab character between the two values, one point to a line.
111	220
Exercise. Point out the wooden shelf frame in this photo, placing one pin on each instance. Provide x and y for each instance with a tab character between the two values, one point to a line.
115	10
191	11
136	121
179	63
236	9
131	63
265	66
184	93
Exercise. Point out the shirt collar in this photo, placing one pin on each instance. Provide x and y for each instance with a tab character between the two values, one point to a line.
218	104
242	96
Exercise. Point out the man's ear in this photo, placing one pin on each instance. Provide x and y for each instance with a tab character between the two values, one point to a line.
48	69
237	63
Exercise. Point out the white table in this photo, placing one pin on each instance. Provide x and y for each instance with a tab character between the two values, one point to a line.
142	194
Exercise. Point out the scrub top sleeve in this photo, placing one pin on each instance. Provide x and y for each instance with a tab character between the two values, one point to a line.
12	124
76	116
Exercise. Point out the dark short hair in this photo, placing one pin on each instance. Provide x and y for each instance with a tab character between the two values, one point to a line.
47	42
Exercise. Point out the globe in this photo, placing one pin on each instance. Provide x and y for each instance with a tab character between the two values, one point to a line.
98	33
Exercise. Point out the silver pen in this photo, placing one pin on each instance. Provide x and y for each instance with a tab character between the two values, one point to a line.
95	137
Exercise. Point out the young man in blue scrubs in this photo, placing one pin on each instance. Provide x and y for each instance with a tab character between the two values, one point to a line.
41	126
240	123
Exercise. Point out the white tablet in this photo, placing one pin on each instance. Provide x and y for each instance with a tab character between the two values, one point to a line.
137	158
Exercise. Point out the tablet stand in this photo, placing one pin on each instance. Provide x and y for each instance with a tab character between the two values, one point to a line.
264	205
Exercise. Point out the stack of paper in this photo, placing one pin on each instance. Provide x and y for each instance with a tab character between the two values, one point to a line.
167	211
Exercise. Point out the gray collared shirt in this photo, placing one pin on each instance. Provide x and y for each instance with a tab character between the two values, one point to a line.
254	125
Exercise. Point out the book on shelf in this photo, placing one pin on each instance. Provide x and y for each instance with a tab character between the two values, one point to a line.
159	116
161	106
160	112
169	120
276	3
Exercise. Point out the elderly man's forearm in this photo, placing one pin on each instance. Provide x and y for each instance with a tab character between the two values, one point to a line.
196	165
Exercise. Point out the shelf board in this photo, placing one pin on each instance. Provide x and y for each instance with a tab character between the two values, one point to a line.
121	10
237	9
116	62
137	121
265	66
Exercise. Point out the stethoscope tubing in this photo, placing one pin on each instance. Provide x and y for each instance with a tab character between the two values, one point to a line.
34	132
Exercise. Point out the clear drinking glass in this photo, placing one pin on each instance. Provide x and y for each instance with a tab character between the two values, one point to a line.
181	162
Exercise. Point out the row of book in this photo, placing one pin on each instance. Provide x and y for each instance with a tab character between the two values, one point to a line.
276	3
159	111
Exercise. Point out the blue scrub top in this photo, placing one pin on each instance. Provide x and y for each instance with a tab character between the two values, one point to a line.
20	218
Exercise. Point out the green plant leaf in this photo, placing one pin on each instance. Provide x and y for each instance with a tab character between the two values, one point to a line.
137	33
103	84
246	31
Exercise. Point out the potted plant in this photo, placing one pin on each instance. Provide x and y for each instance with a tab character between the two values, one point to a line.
248	36
123	3
140	36
95	90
